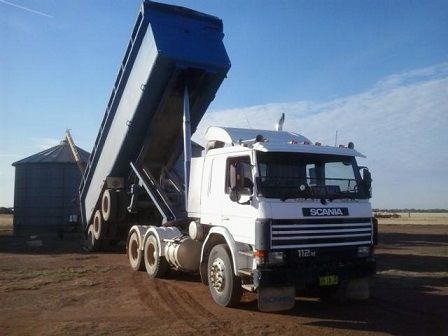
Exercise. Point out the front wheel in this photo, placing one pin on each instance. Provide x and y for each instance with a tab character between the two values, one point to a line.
224	286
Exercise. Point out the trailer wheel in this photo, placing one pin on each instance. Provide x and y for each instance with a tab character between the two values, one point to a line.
92	244
99	230
109	205
224	286
155	264
135	255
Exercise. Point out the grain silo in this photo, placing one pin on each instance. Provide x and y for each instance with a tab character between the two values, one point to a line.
46	188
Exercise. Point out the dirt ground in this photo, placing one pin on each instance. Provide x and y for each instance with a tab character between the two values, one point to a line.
52	287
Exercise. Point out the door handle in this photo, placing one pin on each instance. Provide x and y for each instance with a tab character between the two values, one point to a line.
225	218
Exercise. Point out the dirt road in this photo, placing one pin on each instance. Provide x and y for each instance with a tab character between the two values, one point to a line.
58	289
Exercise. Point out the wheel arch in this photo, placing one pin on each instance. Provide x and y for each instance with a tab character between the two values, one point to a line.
217	235
161	234
141	231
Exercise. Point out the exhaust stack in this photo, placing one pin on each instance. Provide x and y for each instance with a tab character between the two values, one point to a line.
187	144
279	126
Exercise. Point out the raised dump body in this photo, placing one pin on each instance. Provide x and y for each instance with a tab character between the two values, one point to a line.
267	212
170	48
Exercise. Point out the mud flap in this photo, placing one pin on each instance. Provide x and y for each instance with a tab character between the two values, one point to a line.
358	289
276	298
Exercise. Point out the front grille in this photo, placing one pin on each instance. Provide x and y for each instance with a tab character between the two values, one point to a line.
320	232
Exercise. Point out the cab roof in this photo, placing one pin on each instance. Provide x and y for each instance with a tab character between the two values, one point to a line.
272	141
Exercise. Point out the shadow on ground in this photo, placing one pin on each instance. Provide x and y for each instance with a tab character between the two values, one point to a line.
405	301
409	296
49	243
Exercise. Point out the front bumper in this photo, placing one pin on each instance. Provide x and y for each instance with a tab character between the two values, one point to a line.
307	276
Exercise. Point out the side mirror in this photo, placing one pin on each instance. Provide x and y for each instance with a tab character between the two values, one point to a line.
312	175
248	186
367	180
235	176
232	177
234	195
239	185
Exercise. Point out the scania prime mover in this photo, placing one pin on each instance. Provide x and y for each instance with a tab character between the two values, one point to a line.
259	210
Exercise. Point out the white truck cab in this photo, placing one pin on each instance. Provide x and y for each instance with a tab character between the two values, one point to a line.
281	202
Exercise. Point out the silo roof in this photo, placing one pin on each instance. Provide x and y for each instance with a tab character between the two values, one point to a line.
57	154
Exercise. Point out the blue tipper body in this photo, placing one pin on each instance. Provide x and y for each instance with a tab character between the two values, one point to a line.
170	47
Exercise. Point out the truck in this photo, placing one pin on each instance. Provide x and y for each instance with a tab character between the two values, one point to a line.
266	211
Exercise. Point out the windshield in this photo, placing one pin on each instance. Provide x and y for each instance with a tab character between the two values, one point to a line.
301	175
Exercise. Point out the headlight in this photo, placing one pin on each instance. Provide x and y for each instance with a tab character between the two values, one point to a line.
276	257
363	251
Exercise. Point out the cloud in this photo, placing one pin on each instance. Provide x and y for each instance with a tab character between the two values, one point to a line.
401	124
27	9
414	76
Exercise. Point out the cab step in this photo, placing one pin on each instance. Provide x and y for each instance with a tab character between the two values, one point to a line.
245	271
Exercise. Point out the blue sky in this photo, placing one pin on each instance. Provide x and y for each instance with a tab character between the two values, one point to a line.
376	71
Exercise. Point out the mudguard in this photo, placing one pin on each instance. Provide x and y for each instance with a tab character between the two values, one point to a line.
237	261
162	234
141	231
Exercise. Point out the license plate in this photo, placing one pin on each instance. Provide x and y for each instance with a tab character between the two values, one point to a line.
329	280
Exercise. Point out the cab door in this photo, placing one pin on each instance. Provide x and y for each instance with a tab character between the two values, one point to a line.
238	213
212	190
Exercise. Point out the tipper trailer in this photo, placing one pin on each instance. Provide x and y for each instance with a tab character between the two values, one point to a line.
259	210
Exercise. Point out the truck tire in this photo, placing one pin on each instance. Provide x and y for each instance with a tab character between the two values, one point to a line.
224	286
98	226
135	255
109	205
155	264
92	244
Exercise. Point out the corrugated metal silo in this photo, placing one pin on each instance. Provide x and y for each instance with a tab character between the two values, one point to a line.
46	185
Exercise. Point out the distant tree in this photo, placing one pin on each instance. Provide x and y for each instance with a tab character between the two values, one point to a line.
412	210
6	211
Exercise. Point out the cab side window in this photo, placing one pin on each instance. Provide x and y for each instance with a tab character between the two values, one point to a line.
239	174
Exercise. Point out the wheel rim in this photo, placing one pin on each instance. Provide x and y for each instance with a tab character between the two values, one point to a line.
133	250
151	254
96	225
105	204
217	276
